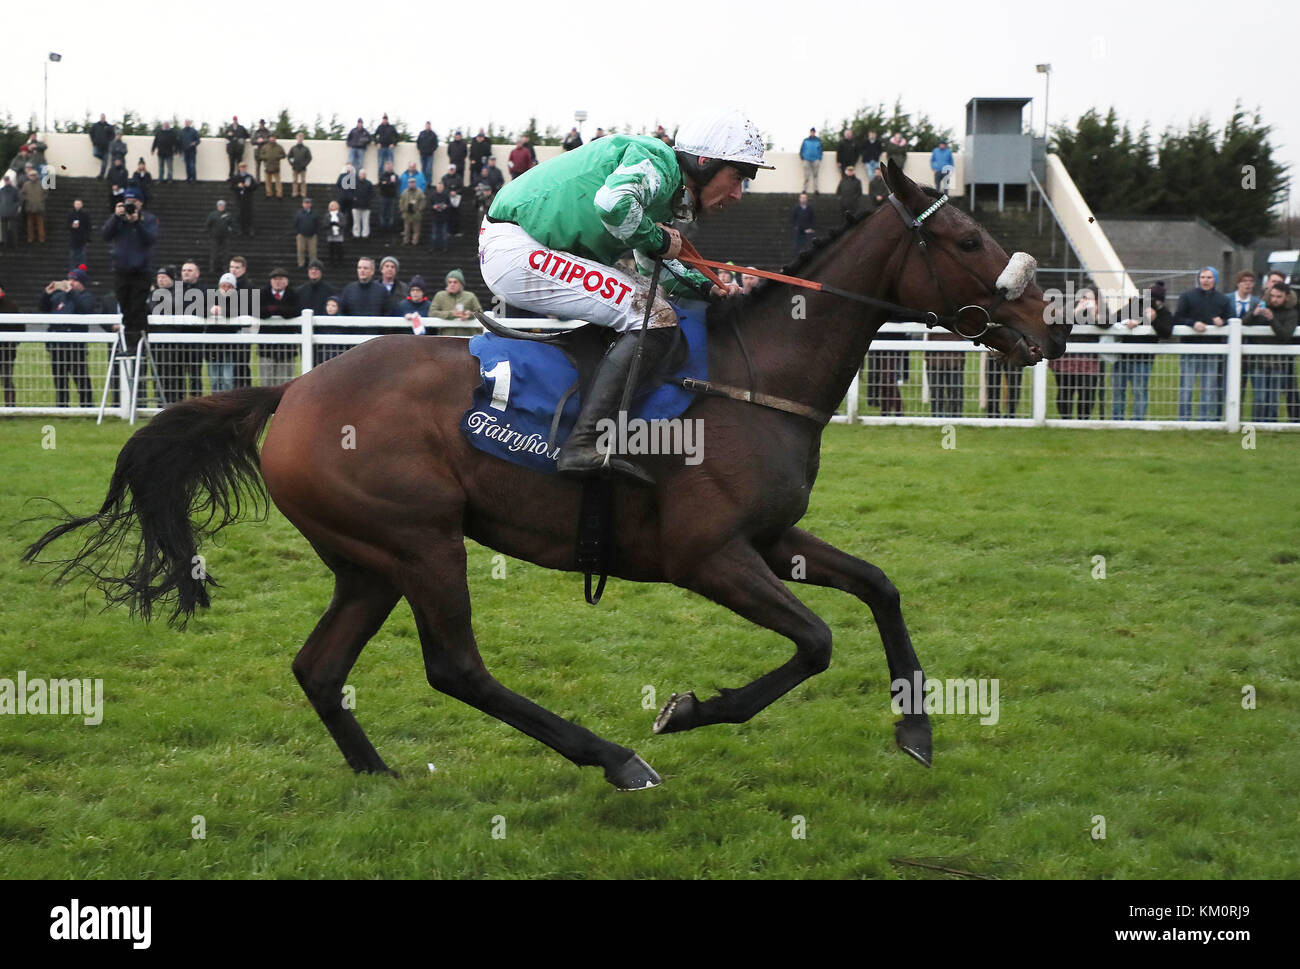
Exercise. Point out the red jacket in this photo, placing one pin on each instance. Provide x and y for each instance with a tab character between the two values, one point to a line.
521	159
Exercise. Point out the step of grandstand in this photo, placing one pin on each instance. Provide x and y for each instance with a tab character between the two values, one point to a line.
757	231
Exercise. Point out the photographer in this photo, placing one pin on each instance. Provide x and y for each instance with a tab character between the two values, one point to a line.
133	233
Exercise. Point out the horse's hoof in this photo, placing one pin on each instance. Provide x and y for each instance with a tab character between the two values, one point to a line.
678	714
914	740
633	775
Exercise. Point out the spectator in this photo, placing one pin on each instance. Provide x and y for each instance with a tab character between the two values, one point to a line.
78	235
946	371
244	185
222	314
942	164
522	157
896	149
487	184
118	180
850	192
217	228
346	191
1269	374
20	163
336	230
847	153
426	143
457	151
412	174
165	143
600	133
10	207
142	181
877	192
299	159
189	141
572	140
189	377
393	287
101	136
236	136
1201	308
1244	304
411	203
306	228
166	356
415	307
36	150
241	354
385	139
68	360
134	232
313	293
365	296
358	139
117	148
388	182
454	184
440	212
455	302
663	136
363	199
1135	368
9	351
479	150
32	196
885	369
803	222
810	153
277	361
261	138
1287	391
871	149
328	351
1078	374
272	156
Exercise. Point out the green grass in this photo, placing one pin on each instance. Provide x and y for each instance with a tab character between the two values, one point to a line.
1119	697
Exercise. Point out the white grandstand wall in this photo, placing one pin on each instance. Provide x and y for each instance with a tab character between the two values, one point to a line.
70	156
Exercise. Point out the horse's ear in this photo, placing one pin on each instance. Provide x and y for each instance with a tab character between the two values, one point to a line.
896	181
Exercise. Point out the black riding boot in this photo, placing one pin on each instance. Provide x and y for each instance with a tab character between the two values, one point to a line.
579	455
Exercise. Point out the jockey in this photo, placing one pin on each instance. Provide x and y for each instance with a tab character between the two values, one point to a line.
552	235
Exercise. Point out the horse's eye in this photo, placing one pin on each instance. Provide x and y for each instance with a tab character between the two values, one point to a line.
971	244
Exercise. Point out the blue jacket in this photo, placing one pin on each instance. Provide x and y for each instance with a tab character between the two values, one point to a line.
133	242
69	302
419	181
365	299
941	158
189	138
811	149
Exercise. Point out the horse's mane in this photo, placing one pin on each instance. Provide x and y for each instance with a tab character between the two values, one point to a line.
800	263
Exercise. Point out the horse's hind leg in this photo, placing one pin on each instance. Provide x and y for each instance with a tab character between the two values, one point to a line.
738	578
439	597
806	558
361	603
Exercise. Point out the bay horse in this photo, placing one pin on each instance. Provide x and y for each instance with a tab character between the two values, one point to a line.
390	515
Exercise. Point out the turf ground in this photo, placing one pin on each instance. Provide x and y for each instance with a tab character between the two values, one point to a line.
1120	697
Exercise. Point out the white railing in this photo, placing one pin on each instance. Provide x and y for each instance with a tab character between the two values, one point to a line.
924	381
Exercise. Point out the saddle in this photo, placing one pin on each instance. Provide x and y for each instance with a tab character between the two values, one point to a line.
584	347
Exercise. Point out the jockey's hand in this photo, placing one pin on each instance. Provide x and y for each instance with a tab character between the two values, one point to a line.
721	292
674	243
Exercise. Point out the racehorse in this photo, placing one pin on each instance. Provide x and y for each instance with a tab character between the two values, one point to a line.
389	515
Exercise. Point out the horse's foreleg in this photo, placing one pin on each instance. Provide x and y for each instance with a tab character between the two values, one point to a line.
360	605
802	557
738	578
439	598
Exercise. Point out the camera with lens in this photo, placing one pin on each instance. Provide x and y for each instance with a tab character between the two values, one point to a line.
129	207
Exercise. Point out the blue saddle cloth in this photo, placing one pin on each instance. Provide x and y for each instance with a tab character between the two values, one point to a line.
523	381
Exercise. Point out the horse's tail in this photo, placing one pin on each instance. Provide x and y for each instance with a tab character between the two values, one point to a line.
181	478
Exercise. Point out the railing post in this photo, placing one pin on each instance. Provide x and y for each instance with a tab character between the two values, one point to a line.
1232	393
1040	393
851	402
306	319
